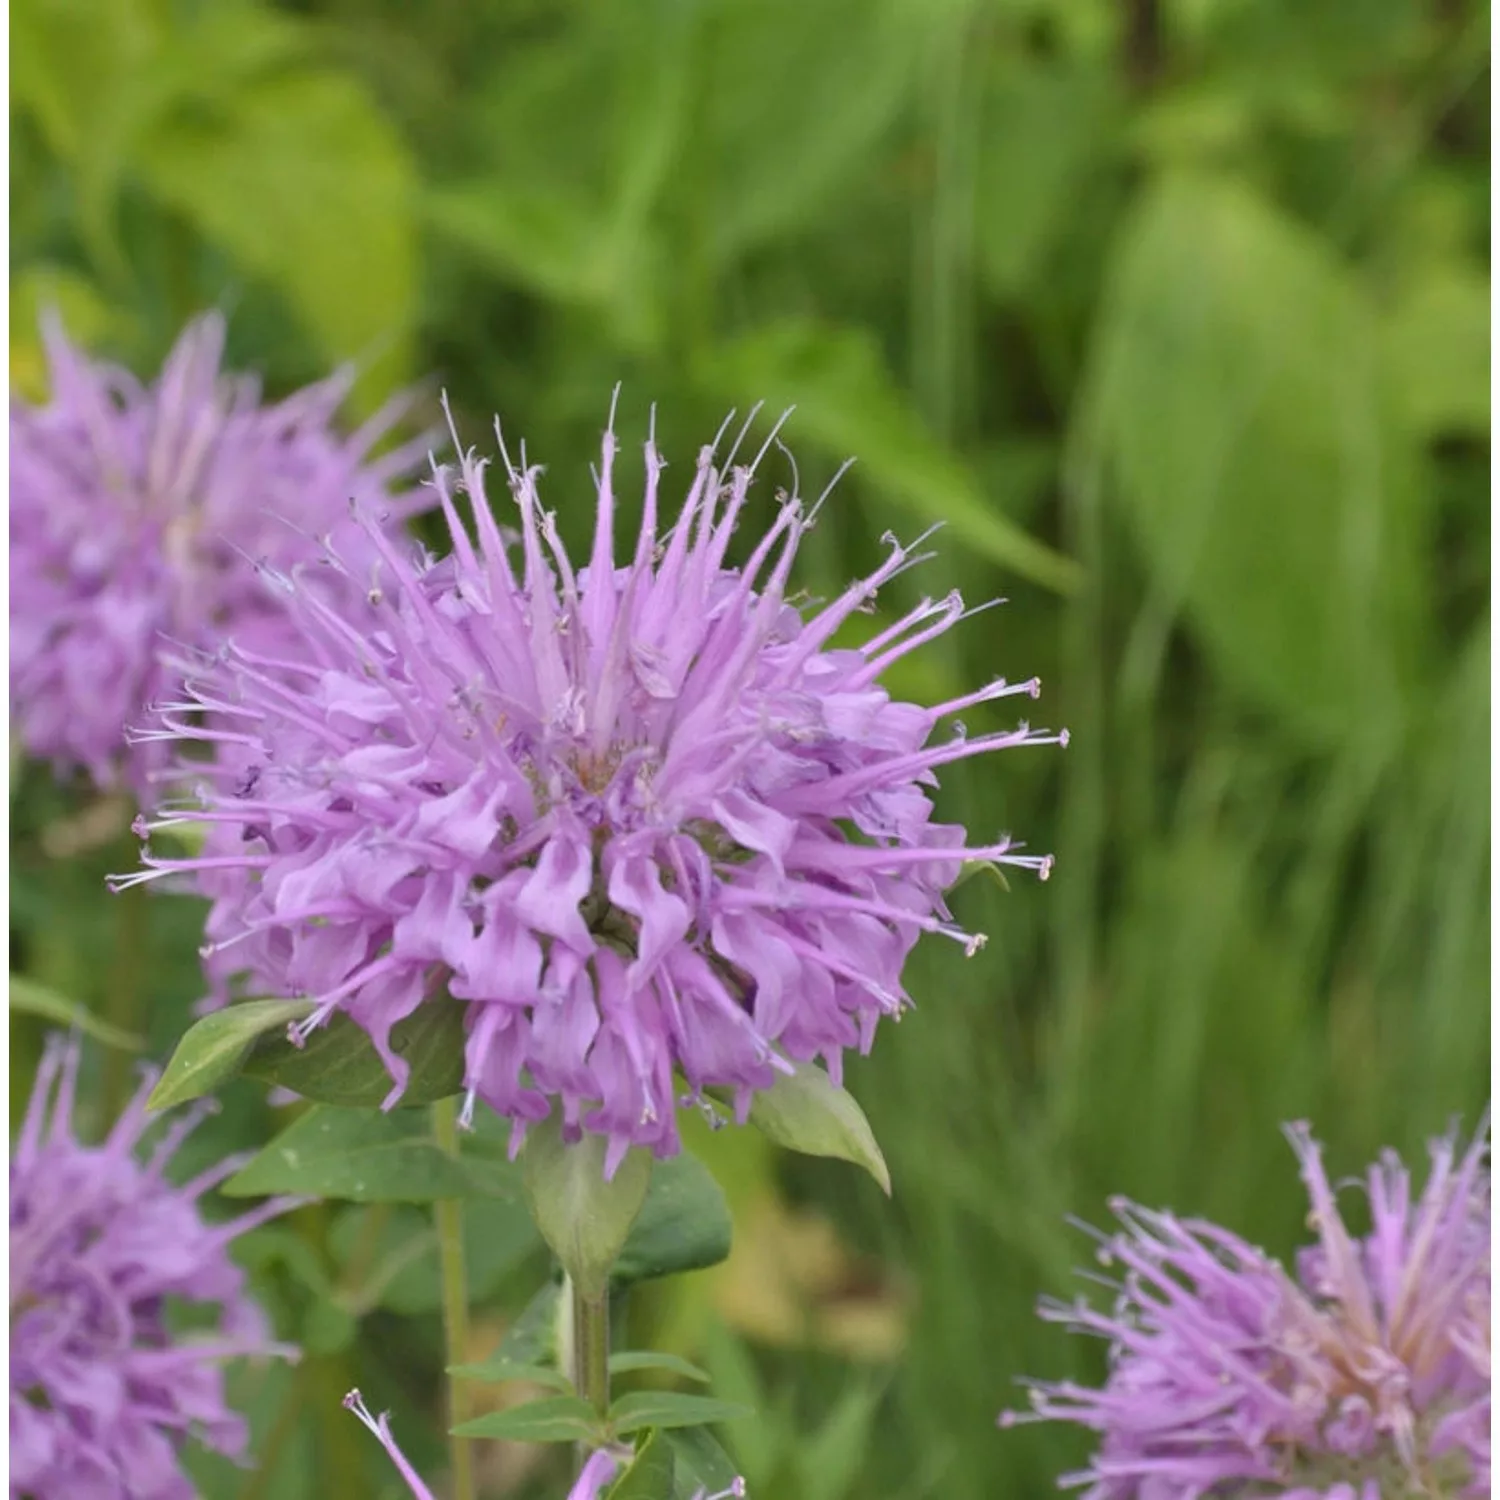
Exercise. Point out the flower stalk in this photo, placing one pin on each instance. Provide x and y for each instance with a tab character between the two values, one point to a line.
448	1215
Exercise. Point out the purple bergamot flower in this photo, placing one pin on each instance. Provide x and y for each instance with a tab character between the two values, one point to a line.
103	1393
1364	1377
642	819
133	509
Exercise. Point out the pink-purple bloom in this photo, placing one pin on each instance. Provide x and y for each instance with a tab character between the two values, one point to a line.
641	818
133	511
103	1393
1366	1376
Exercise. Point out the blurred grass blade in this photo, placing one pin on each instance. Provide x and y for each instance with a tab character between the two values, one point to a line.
34	999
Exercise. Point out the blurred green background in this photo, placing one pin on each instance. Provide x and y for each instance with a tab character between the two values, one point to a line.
1174	311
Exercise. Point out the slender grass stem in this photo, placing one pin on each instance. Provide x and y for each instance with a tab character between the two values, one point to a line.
448	1216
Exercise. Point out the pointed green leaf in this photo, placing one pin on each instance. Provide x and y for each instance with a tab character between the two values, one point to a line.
650	1473
553	1419
701	1462
338	1064
683	1226
34	999
530	1340
641	1409
808	1112
215	1047
585	1219
623	1364
357	1154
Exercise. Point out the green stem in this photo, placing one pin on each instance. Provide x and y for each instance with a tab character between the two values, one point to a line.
589	1354
124	1007
448	1215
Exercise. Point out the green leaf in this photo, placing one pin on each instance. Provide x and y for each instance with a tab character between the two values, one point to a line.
552	1419
338	1064
701	1462
1236	396
641	1409
585	1219
1437	350
848	404
808	1112
531	1340
650	1474
302	180
214	1047
33	999
357	1154
623	1364
684	1224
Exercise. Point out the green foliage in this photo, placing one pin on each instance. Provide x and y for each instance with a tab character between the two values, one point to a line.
1182	334
217	1046
806	1111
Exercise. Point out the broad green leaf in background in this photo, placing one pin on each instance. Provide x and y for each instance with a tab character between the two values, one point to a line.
338	1063
216	1046
848	404
701	1462
684	1224
650	1474
301	180
530	1341
807	1111
35	999
639	1409
551	1419
584	1218
1237	398
1436	343
1042	132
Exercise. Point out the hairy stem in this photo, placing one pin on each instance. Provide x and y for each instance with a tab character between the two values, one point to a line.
448	1214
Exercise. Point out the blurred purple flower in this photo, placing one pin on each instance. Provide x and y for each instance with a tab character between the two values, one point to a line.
132	511
1367	1377
102	1393
640	818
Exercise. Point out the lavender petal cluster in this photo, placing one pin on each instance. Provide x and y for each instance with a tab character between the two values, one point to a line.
103	1393
1364	1376
642	818
133	509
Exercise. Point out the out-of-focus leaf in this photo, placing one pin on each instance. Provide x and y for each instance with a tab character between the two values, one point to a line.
299	177
848	404
216	1046
37	1000
338	1063
640	1409
683	1225
552	1419
530	1341
1437	349
829	1460
650	1473
1238	399
701	1462
583	1217
793	98
807	1111
1042	129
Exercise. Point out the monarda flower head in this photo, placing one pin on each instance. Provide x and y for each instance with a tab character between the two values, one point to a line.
103	1393
1364	1377
641	818
133	509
